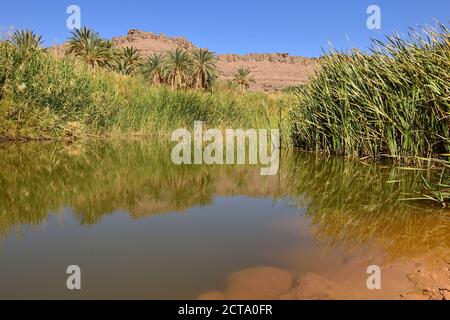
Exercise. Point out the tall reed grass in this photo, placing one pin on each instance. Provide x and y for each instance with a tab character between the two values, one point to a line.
58	96
392	101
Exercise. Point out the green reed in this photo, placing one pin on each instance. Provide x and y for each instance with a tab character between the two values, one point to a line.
394	101
42	95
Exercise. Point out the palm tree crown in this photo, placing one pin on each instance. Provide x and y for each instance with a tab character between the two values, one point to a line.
242	78
127	61
177	67
203	68
87	45
131	55
26	40
152	69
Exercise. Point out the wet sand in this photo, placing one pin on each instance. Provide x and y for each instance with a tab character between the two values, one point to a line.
422	278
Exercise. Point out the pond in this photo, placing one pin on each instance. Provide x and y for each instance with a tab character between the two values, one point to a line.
141	227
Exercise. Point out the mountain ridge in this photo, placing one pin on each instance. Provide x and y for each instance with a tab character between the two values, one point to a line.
271	71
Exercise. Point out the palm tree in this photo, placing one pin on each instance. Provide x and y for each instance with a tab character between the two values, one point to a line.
127	60
204	68
131	55
243	79
177	68
152	69
122	67
87	45
26	40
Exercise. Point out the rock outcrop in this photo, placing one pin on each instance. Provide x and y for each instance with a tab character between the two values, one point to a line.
148	42
272	71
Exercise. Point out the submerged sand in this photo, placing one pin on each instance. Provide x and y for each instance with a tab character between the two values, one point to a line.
423	278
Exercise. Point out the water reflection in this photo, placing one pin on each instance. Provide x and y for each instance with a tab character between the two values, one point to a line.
347	201
339	204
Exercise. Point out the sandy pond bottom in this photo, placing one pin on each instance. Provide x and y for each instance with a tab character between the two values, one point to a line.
140	227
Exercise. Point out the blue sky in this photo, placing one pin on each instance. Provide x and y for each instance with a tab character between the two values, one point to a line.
298	27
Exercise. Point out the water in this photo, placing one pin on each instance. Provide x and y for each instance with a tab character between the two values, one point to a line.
141	227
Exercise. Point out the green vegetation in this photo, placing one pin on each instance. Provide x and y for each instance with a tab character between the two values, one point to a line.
204	69
392	102
178	68
26	40
87	45
243	79
126	61
82	95
152	70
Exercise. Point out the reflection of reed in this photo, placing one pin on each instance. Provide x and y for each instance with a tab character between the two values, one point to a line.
354	204
348	203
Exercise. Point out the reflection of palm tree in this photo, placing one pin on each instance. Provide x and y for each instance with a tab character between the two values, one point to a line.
152	69
87	45
26	40
204	68
177	67
243	79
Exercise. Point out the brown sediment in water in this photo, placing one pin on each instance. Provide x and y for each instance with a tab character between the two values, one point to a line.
422	278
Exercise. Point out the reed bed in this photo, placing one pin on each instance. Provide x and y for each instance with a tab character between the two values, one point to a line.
393	101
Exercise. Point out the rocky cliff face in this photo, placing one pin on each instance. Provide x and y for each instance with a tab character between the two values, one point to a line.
148	42
272	71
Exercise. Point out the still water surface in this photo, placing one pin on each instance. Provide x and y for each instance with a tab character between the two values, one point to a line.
141	227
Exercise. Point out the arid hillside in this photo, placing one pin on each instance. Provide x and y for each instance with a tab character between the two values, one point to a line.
272	71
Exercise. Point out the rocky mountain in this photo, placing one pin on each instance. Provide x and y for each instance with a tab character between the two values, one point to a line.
148	42
272	71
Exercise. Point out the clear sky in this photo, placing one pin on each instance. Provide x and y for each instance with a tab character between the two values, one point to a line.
293	26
